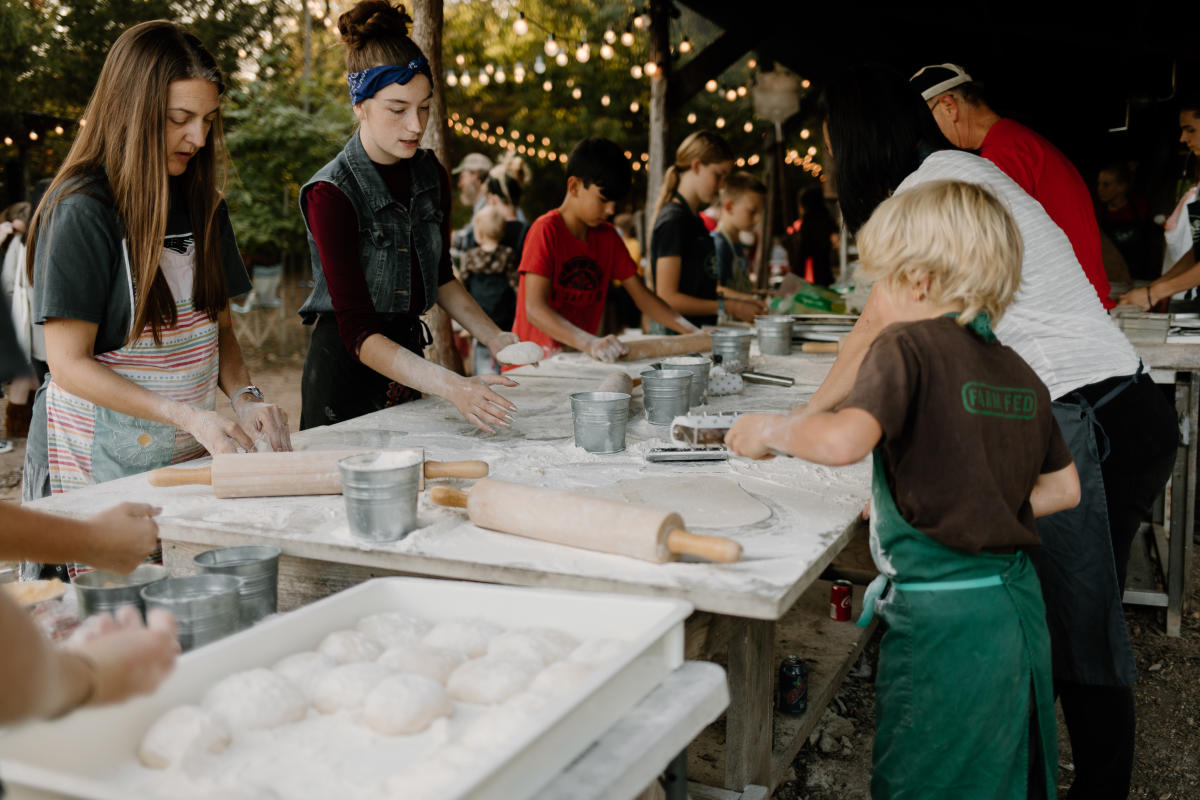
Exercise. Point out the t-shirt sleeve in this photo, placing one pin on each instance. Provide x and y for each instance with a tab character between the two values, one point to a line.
537	256
1015	159
668	235
623	265
1058	455
237	280
77	250
886	382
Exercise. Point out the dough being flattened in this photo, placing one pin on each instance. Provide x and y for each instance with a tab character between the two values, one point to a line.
181	733
405	704
521	353
256	699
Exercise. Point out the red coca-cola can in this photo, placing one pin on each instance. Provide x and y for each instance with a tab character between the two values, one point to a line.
840	596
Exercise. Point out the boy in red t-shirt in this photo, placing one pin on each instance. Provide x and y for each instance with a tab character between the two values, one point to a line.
572	255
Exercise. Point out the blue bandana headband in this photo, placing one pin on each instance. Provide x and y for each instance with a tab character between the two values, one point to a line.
364	85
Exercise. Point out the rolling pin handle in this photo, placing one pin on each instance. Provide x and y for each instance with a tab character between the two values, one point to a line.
820	347
448	496
456	469
713	548
173	476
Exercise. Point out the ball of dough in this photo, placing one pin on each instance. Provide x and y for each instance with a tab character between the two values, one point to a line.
350	647
392	628
469	637
432	662
181	733
256	699
521	353
561	677
303	669
532	644
599	651
489	681
344	688
405	704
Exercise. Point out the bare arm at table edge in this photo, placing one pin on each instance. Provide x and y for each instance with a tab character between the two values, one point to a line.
456	301
653	306
543	317
835	438
41	681
666	283
840	380
118	539
261	419
1183	275
1055	491
69	344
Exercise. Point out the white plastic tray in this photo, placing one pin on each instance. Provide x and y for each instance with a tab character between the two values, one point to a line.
86	754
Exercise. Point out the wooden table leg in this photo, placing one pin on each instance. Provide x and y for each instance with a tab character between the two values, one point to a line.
1183	503
748	722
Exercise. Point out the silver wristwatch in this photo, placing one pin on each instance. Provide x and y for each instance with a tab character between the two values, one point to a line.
251	390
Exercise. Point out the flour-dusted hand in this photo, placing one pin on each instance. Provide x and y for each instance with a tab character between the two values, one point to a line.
607	349
479	404
264	421
497	344
120	538
745	310
751	435
216	433
131	658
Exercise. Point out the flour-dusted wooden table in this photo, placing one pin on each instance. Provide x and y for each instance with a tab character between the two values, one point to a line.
811	511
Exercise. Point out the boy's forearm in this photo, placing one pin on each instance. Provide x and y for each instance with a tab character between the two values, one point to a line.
831	438
653	306
1055	491
555	325
28	535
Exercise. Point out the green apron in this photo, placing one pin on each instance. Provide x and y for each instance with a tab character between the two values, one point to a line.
965	653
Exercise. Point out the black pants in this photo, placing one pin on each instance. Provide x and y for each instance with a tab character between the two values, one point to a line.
1142	436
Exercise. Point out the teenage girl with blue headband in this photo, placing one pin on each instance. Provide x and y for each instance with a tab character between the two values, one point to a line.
378	218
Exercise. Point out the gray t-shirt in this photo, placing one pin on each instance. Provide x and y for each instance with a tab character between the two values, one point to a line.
80	265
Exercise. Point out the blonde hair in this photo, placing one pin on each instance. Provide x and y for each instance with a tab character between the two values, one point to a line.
738	184
703	146
957	234
489	222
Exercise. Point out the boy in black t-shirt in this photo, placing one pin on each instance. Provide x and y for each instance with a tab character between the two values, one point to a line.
966	455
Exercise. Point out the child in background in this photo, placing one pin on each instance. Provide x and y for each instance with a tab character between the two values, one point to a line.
572	254
489	271
966	455
741	212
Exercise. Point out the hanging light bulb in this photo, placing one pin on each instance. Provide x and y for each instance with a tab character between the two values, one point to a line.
82	122
545	141
752	63
547	86
519	72
583	53
465	80
812	151
460	59
577	93
636	70
8	141
635	106
691	118
710	85
805	133
804	84
606	51
752	160
451	78
33	137
551	46
562	58
636	166
731	95
501	76
748	127
529	137
741	162
605	100
539	66
484	78
489	68
685	46
521	26
58	129
627	37
741	91
720	123
610	36
642	20
651	69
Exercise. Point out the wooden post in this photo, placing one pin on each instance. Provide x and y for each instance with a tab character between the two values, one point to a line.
427	33
751	710
661	155
762	276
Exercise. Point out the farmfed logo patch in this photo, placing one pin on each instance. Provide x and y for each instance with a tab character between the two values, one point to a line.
999	401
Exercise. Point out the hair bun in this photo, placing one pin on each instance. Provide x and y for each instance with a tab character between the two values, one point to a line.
373	19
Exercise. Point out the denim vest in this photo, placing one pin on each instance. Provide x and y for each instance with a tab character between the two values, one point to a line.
388	234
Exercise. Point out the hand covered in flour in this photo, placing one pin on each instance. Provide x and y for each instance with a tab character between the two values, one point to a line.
120	538
125	657
501	341
607	349
264	421
214	432
752	434
479	405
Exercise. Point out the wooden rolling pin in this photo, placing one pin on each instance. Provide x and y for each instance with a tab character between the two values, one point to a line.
822	347
659	346
577	520
283	474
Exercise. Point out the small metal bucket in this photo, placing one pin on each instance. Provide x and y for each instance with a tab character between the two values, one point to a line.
100	590
258	567
699	367
206	607
600	419
733	346
381	493
667	394
774	335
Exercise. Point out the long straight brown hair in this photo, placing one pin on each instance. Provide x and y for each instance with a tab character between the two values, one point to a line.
123	135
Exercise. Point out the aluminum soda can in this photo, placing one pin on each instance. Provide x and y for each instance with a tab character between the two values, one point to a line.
840	596
792	687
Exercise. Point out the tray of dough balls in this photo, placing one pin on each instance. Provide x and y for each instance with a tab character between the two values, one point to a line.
397	688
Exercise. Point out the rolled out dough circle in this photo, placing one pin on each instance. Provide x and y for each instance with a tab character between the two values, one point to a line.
521	353
704	501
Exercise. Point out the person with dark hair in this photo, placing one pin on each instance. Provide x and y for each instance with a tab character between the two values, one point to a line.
1038	167
378	218
133	261
1182	230
1124	219
573	254
812	245
1055	323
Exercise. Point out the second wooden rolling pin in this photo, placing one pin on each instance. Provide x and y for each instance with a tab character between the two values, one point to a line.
659	346
579	520
285	474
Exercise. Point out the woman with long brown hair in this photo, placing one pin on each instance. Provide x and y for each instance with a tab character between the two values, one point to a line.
133	262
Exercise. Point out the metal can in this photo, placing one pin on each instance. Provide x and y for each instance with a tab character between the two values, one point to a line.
840	596
792	687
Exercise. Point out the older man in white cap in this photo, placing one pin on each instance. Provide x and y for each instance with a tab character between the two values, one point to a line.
1037	166
472	174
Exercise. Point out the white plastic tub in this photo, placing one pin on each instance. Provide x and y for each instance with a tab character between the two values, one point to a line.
91	753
